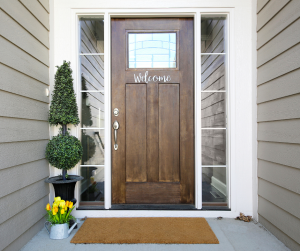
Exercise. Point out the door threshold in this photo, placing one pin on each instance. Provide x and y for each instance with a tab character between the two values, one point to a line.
152	207
178	207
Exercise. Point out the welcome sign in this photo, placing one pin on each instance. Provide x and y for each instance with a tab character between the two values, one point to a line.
148	79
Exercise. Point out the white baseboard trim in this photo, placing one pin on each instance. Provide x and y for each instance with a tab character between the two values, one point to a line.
219	185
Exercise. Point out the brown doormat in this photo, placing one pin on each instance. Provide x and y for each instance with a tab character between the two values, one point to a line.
145	230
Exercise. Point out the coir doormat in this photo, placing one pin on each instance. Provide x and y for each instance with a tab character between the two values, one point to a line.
145	230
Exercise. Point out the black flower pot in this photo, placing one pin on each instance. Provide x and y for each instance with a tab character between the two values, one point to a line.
64	188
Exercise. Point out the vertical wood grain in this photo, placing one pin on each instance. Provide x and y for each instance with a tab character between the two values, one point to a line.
187	156
136	132
152	132
118	101
169	132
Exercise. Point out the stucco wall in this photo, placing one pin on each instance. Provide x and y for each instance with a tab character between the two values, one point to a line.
278	99
24	131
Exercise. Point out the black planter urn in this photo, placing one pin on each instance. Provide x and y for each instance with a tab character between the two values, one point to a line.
64	188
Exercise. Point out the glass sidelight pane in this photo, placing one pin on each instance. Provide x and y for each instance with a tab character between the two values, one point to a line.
152	50
93	147
92	35
92	72
213	110
214	147
214	184
213	72
92	110
213	34
92	186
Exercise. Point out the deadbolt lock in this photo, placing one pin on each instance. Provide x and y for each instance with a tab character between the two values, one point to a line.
116	112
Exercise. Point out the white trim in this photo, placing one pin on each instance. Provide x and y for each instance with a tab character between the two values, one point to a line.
197	90
154	213
219	185
240	147
213	53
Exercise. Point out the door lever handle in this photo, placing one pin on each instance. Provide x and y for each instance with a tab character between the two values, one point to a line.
116	127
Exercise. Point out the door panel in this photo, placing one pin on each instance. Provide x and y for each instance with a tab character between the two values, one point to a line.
169	132
154	163
136	110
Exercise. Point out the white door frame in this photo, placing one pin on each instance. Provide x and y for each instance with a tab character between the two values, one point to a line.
231	76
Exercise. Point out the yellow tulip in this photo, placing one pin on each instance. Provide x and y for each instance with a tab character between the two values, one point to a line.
57	199
70	204
55	209
48	208
55	204
54	212
66	208
62	211
62	203
67	203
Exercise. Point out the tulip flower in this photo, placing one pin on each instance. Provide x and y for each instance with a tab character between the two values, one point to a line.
55	209
57	199
62	203
48	208
67	203
54	212
70	204
62	211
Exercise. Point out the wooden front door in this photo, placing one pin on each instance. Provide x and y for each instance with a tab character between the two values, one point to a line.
153	90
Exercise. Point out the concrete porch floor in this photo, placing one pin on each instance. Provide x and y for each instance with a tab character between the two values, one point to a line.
232	235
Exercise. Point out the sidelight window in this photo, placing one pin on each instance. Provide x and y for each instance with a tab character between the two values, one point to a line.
92	110
214	111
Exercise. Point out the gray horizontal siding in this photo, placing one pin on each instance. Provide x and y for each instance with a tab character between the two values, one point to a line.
17	177
16	58
281	219
37	191
280	175
282	42
22	84
20	223
280	87
278	116
25	237
284	63
16	106
280	153
269	12
24	129
17	153
279	109
18	12
285	17
15	129
279	234
281	197
15	33
261	4
38	11
283	131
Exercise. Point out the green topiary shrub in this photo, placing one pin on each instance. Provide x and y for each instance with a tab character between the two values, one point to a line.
63	109
64	151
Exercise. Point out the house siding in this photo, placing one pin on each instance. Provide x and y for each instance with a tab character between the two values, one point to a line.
278	97
24	131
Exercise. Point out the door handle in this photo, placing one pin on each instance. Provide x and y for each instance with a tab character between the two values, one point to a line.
116	127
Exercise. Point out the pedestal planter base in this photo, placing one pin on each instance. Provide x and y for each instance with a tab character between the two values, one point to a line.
64	188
